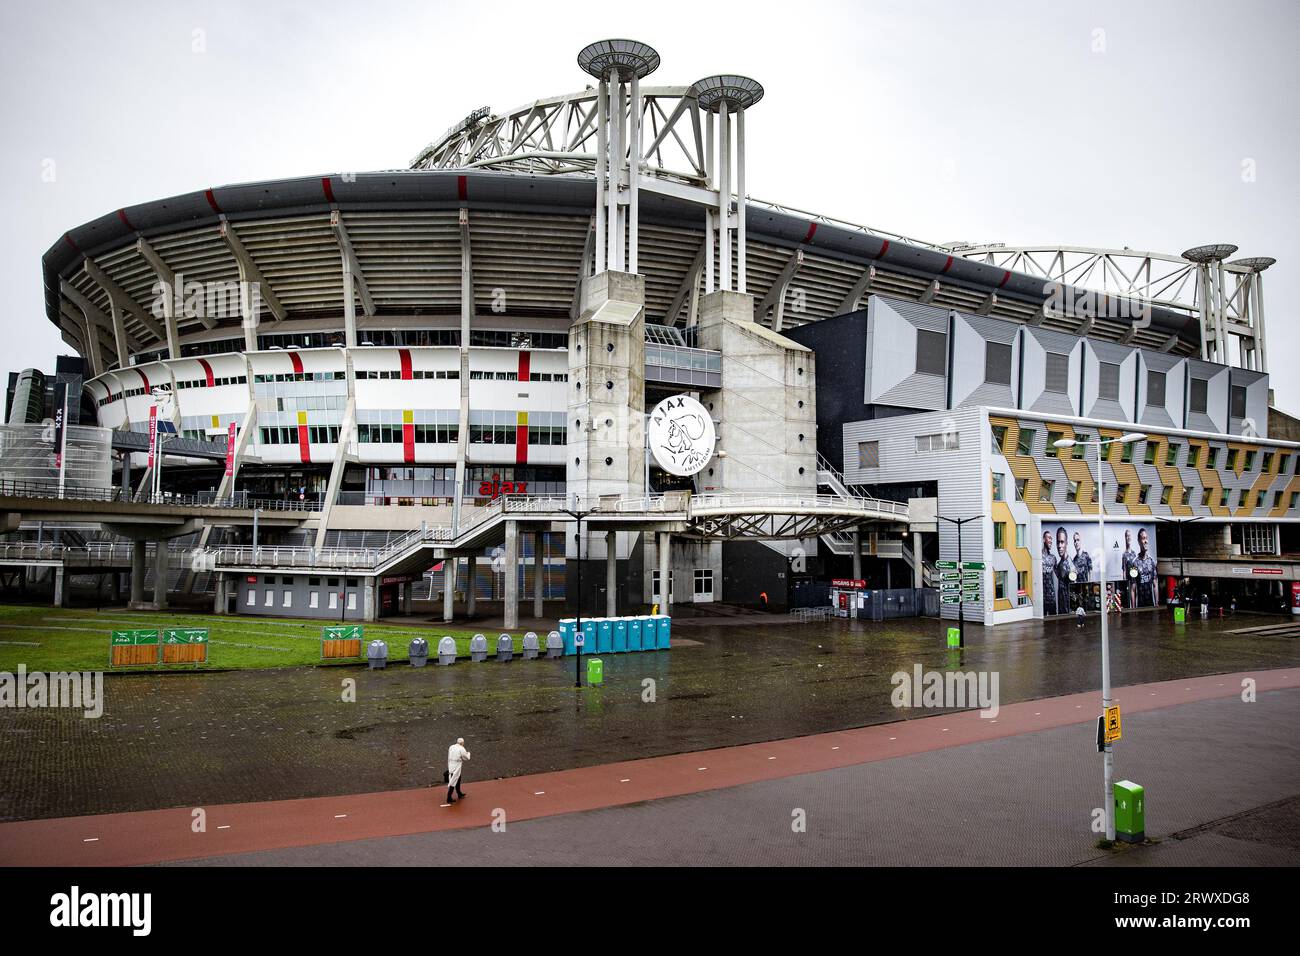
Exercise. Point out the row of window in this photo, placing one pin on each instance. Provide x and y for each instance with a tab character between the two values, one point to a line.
217	382
300	377
1124	489
416	374
486	376
436	434
1173	450
288	435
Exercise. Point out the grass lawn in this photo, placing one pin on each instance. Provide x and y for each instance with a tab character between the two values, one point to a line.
67	639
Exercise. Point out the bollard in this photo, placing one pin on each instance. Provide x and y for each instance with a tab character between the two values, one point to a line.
478	648
447	651
554	644
418	652
505	648
530	646
377	655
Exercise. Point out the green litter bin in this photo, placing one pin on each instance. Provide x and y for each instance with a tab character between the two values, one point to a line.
1130	812
595	671
954	637
1180	615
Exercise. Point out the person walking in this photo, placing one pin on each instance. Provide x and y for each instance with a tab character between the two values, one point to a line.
456	757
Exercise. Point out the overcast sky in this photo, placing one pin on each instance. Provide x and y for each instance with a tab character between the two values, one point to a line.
1093	124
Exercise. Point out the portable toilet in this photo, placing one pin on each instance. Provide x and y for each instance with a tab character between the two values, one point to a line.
590	632
620	635
633	633
605	635
649	637
663	631
566	634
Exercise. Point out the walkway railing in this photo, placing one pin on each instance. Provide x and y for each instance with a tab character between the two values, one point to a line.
208	499
95	552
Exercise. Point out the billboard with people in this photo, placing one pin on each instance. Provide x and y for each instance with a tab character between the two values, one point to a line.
1070	565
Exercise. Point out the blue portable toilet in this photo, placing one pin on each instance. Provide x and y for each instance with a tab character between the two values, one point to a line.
633	633
605	640
649	639
620	635
591	635
566	634
663	631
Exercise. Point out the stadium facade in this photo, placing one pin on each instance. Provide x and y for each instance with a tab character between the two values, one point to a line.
399	349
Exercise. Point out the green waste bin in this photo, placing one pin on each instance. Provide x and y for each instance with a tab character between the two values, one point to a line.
954	637
595	671
1180	615
1130	812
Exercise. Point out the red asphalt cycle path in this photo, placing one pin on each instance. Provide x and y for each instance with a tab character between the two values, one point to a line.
160	836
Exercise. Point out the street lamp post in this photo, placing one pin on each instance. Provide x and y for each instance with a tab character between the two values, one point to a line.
1108	756
578	515
961	604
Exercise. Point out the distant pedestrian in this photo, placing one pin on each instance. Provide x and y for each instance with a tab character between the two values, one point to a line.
1079	615
1232	606
1205	605
456	756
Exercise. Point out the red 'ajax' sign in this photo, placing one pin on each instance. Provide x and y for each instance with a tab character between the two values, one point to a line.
496	488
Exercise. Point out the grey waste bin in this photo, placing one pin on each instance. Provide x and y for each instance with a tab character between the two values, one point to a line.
530	646
377	655
505	648
418	652
554	645
447	651
478	648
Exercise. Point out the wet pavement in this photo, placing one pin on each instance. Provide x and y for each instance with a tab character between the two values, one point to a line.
194	739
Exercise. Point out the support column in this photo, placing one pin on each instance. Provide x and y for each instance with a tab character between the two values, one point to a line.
448	586
539	574
219	594
137	572
510	616
471	572
369	606
918	561
665	573
160	557
60	595
611	574
857	554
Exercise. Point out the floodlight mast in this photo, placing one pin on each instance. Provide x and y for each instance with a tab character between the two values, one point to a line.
618	66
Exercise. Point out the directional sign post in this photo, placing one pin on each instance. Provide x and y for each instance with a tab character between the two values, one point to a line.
185	645
133	647
959	566
341	641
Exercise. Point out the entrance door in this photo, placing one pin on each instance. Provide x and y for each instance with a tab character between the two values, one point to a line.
703	586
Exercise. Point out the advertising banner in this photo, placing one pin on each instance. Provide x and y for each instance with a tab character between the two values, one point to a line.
230	450
1070	565
153	433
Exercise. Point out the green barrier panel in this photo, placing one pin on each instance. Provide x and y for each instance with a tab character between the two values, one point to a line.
595	670
1130	812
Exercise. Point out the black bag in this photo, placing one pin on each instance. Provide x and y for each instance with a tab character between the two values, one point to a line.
446	776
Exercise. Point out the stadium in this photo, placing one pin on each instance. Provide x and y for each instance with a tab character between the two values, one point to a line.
433	384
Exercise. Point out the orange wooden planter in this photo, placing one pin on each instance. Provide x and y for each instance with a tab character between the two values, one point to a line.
125	654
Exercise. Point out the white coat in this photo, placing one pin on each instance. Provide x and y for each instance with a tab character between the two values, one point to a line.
456	755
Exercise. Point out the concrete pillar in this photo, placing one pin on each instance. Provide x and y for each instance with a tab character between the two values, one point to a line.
370	607
918	561
665	573
539	574
117	586
471	572
611	574
60	594
219	594
160	562
510	617
137	572
448	586
857	554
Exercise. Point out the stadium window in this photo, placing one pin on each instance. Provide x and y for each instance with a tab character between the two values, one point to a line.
1193	455
1155	388
1152	448
1232	460
999	535
1021	533
998	494
1126	455
1249	463
1205	497
1166	493
1080	449
1025	442
1277	499
940	441
997	363
931	352
868	454
1020	489
1223	497
999	438
1052	439
1108	381
1144	491
1057	374
1171	454
1237	401
1198	396
1243	497
1266	465
1185	497
1000	585
1295	496
1211	458
1022	587
1072	492
1282	462
1121	494
1045	491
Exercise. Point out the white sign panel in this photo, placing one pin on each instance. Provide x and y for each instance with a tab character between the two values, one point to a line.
681	435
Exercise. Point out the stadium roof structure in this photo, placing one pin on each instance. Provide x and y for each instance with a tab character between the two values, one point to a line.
520	189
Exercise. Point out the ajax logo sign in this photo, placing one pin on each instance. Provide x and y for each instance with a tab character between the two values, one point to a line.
681	435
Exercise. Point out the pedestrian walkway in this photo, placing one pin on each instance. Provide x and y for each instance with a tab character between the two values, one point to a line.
1029	757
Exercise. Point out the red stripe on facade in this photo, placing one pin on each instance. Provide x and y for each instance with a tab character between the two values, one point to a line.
212	201
947	265
121	214
525	363
884	248
521	444
408	444
329	190
404	356
1005	277
145	379
304	445
812	231
207	372
296	359
462	187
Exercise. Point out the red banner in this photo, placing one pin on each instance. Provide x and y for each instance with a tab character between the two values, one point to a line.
230	450
153	432
848	583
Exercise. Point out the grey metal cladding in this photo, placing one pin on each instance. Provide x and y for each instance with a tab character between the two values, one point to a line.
893	379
